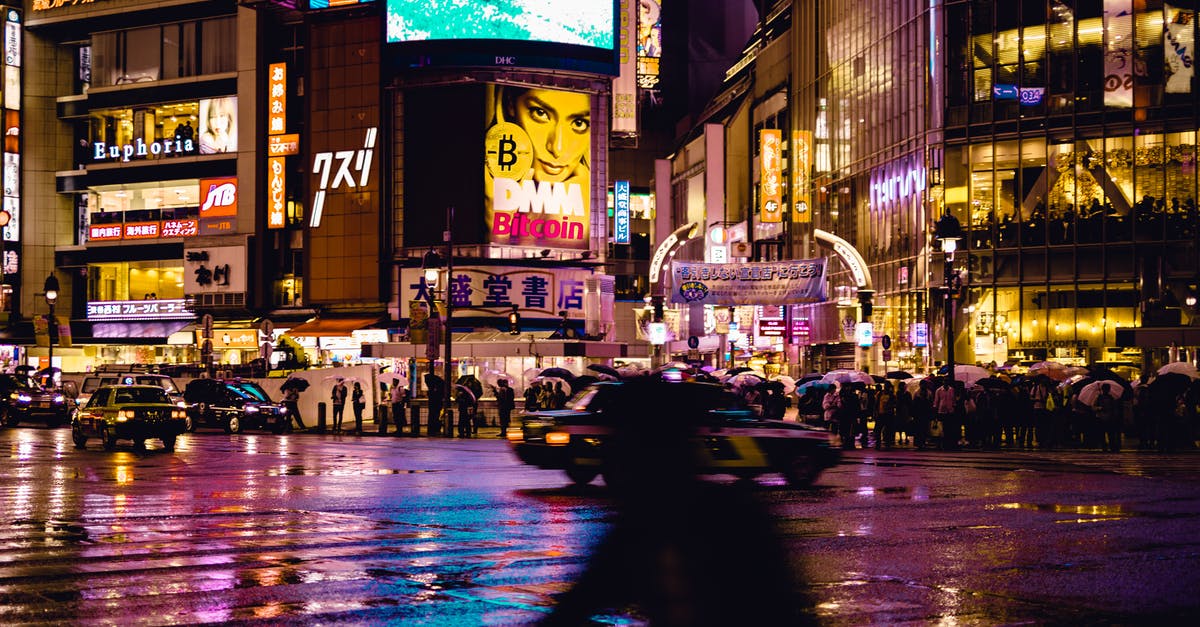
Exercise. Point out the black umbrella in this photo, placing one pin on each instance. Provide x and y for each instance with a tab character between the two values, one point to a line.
812	376
604	369
24	369
738	370
470	382
582	381
561	373
992	383
898	374
294	382
1169	385
879	379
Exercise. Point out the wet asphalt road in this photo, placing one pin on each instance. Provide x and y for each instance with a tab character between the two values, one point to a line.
419	531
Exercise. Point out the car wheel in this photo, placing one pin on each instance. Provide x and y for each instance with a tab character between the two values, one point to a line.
234	425
581	476
168	443
78	438
188	424
109	438
800	471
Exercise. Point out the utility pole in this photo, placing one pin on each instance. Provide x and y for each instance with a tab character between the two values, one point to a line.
448	237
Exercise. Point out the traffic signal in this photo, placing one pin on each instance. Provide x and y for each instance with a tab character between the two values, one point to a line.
514	322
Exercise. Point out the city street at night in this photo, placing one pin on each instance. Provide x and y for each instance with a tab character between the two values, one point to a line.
312	528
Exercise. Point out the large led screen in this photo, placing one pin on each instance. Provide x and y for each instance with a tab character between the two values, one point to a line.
218	125
538	151
580	34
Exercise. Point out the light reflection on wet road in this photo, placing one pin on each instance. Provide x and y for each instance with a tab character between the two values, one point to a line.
373	530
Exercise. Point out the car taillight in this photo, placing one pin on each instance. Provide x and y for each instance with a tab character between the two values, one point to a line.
178	413
558	437
515	434
125	414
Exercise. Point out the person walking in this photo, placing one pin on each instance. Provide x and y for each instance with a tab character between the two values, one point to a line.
338	399
291	400
944	401
358	401
848	410
885	417
922	414
506	400
1108	420
399	401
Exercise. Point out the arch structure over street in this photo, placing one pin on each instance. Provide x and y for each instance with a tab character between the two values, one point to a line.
849	256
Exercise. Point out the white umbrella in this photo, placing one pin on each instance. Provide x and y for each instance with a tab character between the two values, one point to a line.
847	376
1180	367
492	378
1090	392
970	374
789	383
532	373
396	380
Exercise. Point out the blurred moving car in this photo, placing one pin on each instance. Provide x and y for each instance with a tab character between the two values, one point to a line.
23	400
726	437
233	405
128	412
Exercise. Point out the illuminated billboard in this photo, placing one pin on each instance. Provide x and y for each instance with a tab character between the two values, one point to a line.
537	179
579	35
218	125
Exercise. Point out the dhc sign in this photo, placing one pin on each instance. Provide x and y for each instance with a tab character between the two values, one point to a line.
897	181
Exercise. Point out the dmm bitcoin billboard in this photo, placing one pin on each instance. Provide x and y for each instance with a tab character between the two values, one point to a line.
537	181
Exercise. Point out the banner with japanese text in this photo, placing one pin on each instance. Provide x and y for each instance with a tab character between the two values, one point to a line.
771	283
801	166
492	290
770	186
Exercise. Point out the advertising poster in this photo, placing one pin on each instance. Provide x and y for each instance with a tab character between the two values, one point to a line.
12	230
12	87
12	174
218	125
624	92
1179	41
775	283
801	167
1118	53
537	178
649	43
771	174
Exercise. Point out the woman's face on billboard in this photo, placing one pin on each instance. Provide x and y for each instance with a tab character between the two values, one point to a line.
559	128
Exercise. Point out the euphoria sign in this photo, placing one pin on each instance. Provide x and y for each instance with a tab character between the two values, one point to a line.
779	283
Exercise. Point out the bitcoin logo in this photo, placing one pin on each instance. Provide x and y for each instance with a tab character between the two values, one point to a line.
508	150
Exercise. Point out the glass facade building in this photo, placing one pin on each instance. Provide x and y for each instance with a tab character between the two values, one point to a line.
1062	137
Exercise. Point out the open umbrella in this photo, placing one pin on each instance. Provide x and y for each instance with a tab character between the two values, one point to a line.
992	383
297	383
1051	369
471	383
531	373
812	376
1090	392
462	389
898	374
1180	367
492	378
561	373
843	376
789	384
553	380
817	386
604	369
738	370
969	374
1165	387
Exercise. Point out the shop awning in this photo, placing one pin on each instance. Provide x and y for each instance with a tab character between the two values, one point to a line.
331	327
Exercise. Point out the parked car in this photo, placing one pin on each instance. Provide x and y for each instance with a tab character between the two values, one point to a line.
23	400
128	412
725	436
233	405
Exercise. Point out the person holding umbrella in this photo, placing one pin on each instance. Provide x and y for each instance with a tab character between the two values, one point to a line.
399	400
291	400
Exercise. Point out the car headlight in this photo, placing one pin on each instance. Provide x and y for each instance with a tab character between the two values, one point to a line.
24	398
59	398
283	411
251	409
558	437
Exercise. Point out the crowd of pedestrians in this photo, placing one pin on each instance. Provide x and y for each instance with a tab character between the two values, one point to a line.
1032	414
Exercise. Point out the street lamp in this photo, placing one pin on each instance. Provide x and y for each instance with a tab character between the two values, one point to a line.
51	290
948	231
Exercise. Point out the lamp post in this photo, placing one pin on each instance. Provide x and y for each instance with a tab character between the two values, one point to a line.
51	290
447	236
948	231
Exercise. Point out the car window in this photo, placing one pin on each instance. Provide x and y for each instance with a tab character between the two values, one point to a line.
584	400
142	395
100	398
252	391
162	382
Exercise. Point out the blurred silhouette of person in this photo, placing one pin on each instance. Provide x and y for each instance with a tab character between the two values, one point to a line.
435	391
505	402
681	551
338	399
